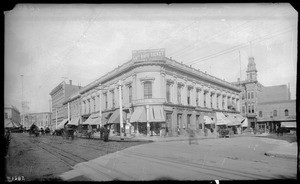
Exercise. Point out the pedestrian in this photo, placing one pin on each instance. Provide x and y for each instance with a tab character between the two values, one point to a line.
178	131
167	131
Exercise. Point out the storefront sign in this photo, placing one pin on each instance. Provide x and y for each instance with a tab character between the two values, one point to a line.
148	55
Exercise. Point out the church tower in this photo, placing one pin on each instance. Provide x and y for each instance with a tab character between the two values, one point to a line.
251	70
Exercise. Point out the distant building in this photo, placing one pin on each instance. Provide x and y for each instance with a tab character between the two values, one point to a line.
12	117
274	114
58	95
250	89
41	119
260	103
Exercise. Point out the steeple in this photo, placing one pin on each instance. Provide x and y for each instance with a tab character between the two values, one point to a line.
251	70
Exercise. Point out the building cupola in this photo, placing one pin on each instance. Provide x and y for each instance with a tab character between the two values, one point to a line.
251	70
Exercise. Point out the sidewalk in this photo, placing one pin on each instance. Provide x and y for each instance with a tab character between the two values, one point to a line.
284	150
166	138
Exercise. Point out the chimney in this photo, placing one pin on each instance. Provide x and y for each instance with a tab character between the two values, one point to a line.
70	82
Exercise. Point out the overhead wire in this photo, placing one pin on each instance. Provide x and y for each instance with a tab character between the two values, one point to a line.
219	34
80	38
239	46
181	51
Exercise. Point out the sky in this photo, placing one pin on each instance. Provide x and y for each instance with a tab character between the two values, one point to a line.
46	44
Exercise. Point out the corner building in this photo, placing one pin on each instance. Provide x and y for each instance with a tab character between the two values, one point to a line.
158	92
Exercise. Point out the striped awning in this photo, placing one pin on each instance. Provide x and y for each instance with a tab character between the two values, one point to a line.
139	115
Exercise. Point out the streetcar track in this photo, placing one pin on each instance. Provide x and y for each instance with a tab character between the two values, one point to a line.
208	167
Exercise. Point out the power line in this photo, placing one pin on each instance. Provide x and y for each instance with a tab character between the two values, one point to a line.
80	38
170	35
217	35
235	47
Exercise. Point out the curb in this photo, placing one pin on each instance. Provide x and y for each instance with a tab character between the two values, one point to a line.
280	155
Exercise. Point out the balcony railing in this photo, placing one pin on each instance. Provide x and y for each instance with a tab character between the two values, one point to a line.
148	101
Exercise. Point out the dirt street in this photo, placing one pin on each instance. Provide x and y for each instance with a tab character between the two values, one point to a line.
45	157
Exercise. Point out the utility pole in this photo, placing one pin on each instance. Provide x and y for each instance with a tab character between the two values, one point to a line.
121	110
22	105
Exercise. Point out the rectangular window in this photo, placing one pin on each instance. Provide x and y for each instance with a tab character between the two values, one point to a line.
147	90
188	96
243	109
6	115
249	109
248	95
168	92
211	99
252	95
130	93
179	94
188	120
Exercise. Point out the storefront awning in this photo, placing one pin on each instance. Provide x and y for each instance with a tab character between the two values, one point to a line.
62	124
221	119
245	122
74	121
8	124
208	120
115	117
289	124
139	115
156	114
233	120
89	121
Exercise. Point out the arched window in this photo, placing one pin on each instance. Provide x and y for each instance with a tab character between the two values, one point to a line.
275	113
147	89
286	112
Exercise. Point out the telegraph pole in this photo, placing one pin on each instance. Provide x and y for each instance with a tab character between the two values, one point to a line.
22	104
121	110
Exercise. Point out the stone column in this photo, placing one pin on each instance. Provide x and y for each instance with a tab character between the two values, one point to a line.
201	97
219	100
193	95
163	85
208	99
174	95
134	88
184	93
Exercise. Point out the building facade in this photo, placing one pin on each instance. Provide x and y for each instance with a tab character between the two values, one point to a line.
12	117
156	92
273	114
41	119
58	95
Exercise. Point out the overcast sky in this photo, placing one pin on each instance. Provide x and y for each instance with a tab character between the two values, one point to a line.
51	43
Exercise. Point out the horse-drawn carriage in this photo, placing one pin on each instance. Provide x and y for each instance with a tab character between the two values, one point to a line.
34	130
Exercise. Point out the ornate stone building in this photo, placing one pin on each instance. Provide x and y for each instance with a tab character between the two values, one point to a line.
157	92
